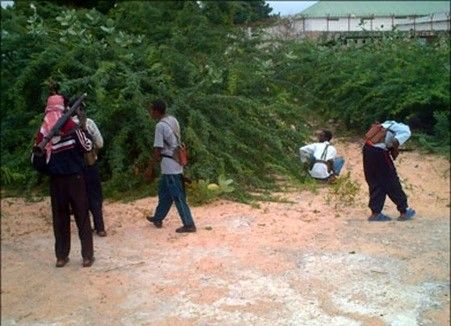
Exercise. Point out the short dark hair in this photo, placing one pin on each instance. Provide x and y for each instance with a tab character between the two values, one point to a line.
158	105
54	87
414	122
327	134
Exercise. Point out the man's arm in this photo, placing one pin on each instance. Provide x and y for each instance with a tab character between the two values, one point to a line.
83	140
394	150
157	154
95	133
402	134
158	141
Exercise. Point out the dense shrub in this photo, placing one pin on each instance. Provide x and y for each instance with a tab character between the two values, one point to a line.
243	103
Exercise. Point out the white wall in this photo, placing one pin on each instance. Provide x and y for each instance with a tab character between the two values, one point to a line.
295	27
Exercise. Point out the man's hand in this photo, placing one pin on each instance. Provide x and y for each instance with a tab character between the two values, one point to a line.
82	118
157	154
394	151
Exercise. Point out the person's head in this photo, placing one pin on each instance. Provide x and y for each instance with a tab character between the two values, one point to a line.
81	108
324	135
414	123
54	87
157	109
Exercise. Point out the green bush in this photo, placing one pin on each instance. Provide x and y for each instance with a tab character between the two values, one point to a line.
243	103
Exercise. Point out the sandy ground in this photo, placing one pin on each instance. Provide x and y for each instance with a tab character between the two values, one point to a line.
311	261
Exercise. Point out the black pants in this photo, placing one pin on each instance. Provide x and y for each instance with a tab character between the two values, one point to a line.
70	190
95	197
382	179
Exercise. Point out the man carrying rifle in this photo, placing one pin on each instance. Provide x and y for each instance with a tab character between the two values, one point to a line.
65	164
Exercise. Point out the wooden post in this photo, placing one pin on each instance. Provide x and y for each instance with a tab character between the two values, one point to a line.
432	22
349	22
414	23
392	21
327	18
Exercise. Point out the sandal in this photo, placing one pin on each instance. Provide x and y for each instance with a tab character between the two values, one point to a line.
408	215
379	218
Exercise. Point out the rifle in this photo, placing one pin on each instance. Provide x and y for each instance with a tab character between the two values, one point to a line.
39	148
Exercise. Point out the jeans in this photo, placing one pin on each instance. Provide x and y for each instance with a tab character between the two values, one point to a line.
171	189
339	161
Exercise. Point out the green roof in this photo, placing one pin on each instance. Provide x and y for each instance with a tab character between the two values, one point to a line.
376	8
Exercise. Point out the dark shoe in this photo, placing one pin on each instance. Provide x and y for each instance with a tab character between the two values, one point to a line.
186	229
101	233
61	262
158	224
88	262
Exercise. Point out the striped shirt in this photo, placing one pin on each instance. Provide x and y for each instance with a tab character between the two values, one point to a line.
67	153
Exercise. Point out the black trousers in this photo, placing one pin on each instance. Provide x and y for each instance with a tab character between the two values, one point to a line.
382	179
95	196
70	190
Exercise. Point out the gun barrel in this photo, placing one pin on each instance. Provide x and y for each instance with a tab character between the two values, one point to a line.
61	121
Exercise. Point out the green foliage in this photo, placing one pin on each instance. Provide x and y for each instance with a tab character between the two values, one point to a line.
243	103
343	191
8	176
440	141
202	191
392	77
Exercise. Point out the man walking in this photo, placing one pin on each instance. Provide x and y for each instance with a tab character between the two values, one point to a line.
171	188
380	171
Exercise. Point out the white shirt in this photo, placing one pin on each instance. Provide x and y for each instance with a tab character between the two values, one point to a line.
319	170
397	130
166	139
93	131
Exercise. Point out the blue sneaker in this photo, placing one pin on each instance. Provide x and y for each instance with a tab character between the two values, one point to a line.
379	218
408	215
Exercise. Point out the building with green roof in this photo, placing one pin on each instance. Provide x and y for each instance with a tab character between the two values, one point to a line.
375	8
347	18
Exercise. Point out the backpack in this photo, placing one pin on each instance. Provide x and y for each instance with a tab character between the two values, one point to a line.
376	134
322	159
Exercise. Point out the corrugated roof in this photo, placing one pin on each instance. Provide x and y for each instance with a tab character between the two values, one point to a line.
376	8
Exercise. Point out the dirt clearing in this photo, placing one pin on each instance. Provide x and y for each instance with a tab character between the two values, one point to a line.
299	263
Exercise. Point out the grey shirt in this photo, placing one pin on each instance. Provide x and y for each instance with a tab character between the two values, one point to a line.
167	137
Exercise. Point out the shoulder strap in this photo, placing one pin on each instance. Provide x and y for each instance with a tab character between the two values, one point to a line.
173	131
388	129
324	154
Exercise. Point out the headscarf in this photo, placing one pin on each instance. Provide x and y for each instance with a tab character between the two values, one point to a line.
53	111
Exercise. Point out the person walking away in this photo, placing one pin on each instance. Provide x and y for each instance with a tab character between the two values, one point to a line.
379	153
325	165
67	187
91	172
171	188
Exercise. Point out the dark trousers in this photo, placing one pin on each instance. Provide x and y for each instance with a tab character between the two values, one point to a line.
95	197
70	190
382	179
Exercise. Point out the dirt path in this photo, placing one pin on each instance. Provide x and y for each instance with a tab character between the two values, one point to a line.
299	263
